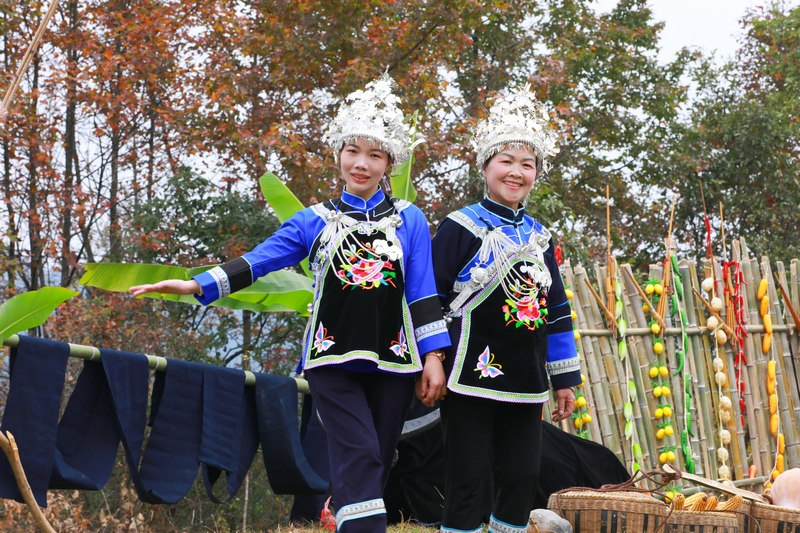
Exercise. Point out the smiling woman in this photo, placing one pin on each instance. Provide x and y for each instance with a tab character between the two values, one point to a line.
510	325
376	322
510	175
363	165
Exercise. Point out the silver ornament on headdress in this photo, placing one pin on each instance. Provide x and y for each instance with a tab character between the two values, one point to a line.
517	119
372	114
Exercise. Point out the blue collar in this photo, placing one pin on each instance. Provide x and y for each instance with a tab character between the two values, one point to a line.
359	203
505	213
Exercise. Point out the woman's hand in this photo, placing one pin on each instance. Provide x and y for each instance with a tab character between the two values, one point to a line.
168	286
565	405
431	385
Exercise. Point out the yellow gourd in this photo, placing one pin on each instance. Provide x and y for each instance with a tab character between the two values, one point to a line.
768	324
771	367
779	462
773	424
762	288
781	443
773	403
766	342
764	306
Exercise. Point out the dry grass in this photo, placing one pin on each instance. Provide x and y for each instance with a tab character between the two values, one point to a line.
405	527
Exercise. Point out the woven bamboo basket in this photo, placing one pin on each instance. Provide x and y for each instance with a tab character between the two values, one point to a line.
774	519
705	521
610	512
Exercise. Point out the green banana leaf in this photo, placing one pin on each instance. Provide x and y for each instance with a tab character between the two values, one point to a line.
280	291
30	309
283	202
402	185
279	197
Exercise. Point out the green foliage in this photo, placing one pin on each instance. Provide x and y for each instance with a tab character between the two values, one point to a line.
740	142
401	181
194	222
30	309
278	291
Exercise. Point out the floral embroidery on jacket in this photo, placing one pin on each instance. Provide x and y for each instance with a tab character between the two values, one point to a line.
525	308
370	266
486	365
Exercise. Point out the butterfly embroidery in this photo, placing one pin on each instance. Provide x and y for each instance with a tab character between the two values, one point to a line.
322	341
487	367
399	346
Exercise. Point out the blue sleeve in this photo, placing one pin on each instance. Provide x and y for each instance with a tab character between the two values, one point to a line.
453	248
430	328
286	247
562	364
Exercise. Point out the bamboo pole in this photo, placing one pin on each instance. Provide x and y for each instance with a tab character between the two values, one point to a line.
155	362
738	446
8	98
790	382
9	446
643	296
595	377
756	367
638	352
591	401
615	374
783	370
697	361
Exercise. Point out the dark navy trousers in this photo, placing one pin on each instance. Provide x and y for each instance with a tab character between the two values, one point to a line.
363	415
482	434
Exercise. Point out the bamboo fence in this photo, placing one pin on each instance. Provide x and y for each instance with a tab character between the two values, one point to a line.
752	449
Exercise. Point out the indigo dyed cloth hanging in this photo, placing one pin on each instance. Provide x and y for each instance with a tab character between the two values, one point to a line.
88	436
288	469
201	416
230	429
31	413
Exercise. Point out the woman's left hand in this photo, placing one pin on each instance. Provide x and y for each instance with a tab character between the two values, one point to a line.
431	385
565	405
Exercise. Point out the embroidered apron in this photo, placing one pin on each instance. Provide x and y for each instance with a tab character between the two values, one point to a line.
360	310
499	331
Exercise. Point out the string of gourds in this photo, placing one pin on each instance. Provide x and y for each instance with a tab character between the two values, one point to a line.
581	416
678	313
622	352
659	380
774	419
725	411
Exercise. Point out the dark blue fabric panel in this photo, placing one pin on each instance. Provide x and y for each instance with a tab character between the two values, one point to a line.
127	375
31	413
288	469
223	391
88	434
248	444
170	462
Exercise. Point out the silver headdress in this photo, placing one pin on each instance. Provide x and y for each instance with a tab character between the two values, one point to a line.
372	114
517	119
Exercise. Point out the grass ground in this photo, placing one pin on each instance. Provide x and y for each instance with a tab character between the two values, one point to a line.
398	528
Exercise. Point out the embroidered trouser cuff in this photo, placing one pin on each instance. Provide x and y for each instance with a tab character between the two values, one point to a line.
498	526
365	516
445	529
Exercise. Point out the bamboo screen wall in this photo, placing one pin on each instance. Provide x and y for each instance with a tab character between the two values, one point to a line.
752	449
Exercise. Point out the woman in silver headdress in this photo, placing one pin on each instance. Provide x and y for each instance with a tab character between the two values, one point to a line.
376	321
510	325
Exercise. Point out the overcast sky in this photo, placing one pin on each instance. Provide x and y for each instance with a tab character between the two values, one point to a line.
710	25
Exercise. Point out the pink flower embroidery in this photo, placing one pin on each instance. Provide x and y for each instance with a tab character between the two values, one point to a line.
365	272
528	308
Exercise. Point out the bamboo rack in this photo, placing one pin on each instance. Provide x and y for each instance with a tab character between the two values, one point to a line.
155	362
751	444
